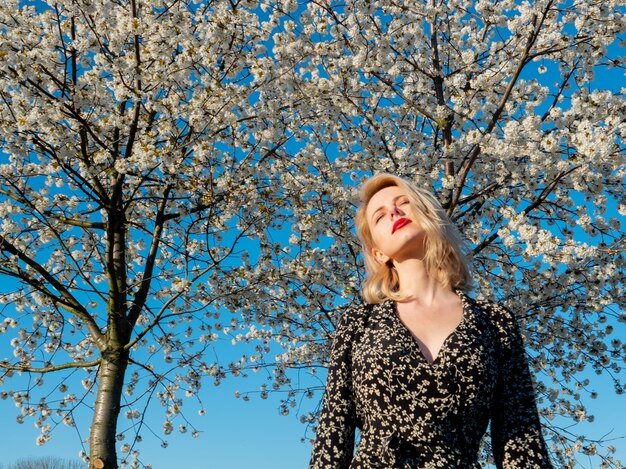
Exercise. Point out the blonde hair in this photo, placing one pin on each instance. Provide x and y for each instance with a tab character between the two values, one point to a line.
443	245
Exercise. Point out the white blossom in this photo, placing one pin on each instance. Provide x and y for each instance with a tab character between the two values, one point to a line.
194	189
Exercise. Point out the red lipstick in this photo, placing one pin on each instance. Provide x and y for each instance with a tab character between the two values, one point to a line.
400	222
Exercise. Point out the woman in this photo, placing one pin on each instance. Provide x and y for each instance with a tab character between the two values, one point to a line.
422	368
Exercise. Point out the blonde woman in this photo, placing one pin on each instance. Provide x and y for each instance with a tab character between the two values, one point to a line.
422	368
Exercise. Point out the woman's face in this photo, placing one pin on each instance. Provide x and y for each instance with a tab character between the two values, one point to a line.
396	233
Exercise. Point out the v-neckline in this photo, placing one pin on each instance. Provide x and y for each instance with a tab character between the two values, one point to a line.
416	342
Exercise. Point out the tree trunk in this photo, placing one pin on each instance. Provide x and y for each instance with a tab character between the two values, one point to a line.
107	408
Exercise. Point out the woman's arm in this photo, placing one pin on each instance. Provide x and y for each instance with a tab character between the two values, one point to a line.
515	428
334	443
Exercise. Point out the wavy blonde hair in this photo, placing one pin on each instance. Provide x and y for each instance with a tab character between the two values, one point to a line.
443	245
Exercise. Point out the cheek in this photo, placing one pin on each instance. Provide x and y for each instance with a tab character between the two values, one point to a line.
377	233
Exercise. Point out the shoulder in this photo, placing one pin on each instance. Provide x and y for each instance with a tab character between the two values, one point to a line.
352	321
355	317
355	320
500	317
494	311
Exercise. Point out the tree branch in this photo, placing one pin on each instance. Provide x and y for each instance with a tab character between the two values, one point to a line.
532	37
48	369
69	303
142	294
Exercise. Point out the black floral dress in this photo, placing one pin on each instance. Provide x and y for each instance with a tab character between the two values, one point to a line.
414	414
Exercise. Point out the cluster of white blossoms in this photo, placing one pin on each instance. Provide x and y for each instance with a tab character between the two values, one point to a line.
178	183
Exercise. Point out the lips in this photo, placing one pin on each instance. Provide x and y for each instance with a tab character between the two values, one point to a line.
400	222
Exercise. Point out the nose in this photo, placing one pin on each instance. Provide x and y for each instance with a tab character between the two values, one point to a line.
396	212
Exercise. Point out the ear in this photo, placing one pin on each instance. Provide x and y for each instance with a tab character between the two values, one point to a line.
380	256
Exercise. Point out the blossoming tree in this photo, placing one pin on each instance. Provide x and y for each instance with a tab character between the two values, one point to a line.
130	181
167	163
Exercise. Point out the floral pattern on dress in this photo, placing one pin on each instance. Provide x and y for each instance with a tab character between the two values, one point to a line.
416	414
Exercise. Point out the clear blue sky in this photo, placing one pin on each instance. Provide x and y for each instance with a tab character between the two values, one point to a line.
235	434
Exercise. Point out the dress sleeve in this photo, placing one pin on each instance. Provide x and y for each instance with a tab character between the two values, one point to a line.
334	443
515	428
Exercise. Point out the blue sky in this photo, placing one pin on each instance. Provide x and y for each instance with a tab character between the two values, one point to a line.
235	435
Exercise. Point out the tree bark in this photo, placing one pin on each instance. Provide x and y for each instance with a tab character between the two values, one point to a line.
107	408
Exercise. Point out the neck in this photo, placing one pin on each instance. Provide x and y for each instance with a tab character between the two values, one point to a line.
417	285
